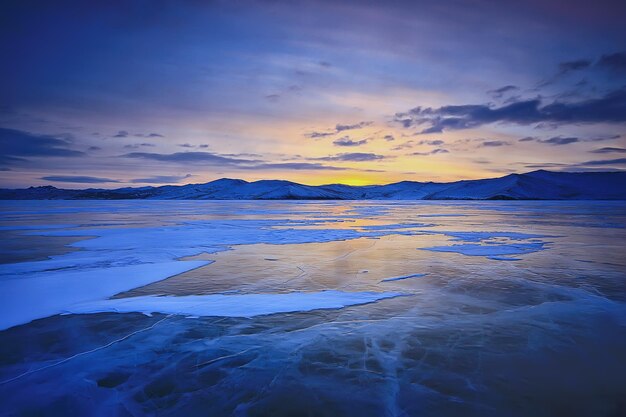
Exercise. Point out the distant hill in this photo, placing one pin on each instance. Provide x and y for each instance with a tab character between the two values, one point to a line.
536	185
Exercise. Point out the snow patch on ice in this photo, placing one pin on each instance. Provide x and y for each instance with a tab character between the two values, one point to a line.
243	305
481	236
474	249
497	246
396	226
43	294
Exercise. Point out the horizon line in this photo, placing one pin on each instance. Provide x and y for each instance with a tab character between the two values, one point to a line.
310	185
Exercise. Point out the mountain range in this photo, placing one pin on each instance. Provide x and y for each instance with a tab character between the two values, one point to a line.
536	185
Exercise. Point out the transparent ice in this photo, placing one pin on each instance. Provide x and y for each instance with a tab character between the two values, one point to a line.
313	308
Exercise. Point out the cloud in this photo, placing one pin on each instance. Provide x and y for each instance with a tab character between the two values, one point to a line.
273	97
338	128
610	108
433	152
558	140
121	134
602	138
360	125
242	154
15	145
94	148
603	164
569	66
149	135
10	160
77	179
609	150
620	161
353	157
615	62
549	165
186	145
138	145
190	157
389	138
161	179
406	145
318	135
494	143
500	92
431	142
346	141
210	159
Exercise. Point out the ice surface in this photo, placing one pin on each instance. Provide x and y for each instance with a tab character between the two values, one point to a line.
36	227
478	336
115	251
119	259
244	305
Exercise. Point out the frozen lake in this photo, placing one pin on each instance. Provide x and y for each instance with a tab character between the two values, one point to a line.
261	308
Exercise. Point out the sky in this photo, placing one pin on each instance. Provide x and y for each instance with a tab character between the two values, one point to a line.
109	94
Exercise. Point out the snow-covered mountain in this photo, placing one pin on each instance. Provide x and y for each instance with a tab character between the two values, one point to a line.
540	185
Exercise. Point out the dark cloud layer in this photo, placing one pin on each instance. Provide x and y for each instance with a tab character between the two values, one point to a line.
494	143
436	142
318	135
190	157
215	160
615	62
79	179
338	129
138	145
502	91
609	150
565	67
433	152
558	140
360	125
16	146
346	141
561	140
611	162
610	108
353	157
